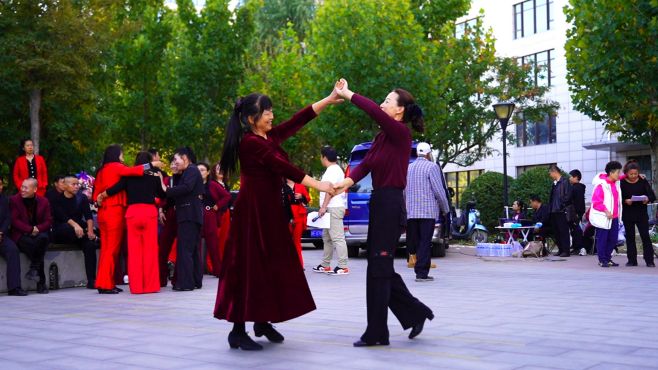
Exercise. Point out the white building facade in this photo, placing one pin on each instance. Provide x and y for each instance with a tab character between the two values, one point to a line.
536	30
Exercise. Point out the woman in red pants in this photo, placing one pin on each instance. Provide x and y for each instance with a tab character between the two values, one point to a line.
299	199
214	199
111	214
142	225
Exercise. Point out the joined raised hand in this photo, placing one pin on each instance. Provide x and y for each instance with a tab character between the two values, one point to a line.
342	89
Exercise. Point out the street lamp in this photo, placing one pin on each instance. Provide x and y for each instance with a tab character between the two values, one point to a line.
504	111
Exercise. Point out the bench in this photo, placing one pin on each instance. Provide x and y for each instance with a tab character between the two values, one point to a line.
64	268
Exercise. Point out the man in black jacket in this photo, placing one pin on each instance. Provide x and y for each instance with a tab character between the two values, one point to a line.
8	248
541	216
188	196
73	223
560	200
578	201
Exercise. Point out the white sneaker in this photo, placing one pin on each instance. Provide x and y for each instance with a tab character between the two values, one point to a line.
125	279
582	252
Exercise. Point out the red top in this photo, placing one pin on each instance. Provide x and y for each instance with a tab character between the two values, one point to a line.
220	196
299	210
388	157
20	173
109	175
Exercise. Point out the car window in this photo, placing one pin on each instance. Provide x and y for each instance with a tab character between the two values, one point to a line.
363	186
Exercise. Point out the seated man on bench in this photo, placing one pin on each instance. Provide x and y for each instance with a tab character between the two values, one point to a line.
8	248
73	224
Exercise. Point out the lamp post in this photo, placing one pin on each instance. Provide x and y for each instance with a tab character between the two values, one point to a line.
504	111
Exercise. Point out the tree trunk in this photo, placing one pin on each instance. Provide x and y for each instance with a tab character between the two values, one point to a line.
35	125
653	143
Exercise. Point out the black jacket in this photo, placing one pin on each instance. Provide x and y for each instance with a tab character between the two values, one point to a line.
542	214
578	198
188	196
560	196
5	216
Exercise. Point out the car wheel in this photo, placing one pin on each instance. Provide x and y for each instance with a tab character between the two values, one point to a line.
318	244
479	236
438	250
353	251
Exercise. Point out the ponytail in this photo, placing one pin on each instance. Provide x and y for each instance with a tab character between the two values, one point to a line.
413	114
252	105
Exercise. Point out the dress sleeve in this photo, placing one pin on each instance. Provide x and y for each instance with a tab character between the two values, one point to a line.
272	160
17	173
284	130
131	171
223	197
116	188
361	170
392	128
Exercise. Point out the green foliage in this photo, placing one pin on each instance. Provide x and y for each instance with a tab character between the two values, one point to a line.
487	191
434	15
534	181
612	65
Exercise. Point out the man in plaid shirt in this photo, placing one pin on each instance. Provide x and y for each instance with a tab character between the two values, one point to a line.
426	200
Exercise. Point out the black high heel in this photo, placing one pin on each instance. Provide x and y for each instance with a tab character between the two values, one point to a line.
418	328
268	331
243	341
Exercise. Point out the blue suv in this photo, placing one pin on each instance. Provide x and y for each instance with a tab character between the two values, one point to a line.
358	200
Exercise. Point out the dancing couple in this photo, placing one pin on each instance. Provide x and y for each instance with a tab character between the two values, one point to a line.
261	278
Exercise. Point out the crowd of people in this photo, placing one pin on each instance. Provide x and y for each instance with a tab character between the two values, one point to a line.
618	206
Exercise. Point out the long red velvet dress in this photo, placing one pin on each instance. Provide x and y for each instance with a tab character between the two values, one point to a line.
261	278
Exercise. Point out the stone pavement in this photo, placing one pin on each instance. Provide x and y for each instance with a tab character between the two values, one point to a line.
494	313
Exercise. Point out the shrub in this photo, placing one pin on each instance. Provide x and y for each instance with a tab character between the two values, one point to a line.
487	191
534	181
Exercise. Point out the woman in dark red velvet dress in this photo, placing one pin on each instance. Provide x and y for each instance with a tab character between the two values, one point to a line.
261	279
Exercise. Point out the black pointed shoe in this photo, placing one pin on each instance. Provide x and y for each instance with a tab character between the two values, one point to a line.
243	341
418	328
107	291
268	331
362	343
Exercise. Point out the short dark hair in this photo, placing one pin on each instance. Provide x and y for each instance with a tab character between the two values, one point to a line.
329	153
186	151
554	168
631	165
153	151
57	178
204	164
143	158
535	198
612	166
576	174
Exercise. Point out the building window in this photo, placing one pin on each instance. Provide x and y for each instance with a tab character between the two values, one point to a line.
461	28
529	133
532	16
522	169
459	181
541	71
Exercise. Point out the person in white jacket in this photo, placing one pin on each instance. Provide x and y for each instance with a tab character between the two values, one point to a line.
606	211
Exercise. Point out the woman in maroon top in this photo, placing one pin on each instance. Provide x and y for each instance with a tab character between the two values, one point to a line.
261	279
387	161
215	198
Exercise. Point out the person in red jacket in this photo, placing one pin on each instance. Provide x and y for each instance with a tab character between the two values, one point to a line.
30	165
111	214
214	199
299	199
31	220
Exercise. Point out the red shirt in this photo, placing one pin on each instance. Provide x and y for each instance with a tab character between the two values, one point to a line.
21	173
109	175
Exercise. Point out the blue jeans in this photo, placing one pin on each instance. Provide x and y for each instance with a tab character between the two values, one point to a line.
606	240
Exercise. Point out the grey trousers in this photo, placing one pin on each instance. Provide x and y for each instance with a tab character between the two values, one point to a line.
334	237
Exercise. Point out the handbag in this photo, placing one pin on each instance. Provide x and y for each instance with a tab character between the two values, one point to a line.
533	249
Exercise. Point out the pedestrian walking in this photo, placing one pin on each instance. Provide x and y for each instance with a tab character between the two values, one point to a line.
635	213
426	201
333	238
261	279
606	211
387	161
559	201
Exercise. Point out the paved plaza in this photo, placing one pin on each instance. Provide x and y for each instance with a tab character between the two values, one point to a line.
493	313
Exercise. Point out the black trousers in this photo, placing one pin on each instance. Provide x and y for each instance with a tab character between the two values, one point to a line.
9	251
642	224
189	270
64	234
384	287
34	247
560	228
419	239
576	234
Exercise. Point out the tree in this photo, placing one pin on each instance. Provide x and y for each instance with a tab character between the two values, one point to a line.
534	181
51	47
612	66
487	192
